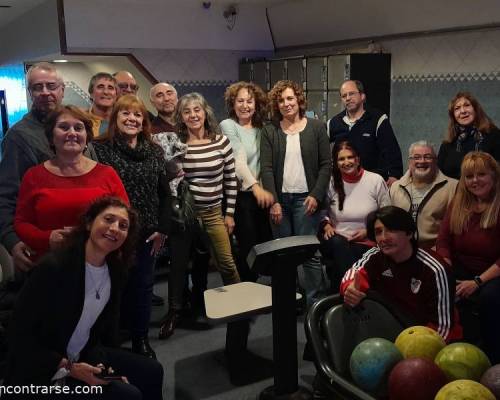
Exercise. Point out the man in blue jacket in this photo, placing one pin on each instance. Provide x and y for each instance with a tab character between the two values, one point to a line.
369	130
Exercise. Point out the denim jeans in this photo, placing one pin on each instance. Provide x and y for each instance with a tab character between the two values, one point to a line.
295	223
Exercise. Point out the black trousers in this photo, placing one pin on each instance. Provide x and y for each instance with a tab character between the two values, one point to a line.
251	228
340	255
144	374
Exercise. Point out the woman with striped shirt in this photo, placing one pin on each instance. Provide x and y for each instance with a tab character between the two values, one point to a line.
209	169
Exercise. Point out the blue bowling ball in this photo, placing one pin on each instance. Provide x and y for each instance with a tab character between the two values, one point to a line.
371	363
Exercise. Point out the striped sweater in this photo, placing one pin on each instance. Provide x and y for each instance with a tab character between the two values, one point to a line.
419	287
210	171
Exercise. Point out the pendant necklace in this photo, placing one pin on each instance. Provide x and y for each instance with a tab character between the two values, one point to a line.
97	290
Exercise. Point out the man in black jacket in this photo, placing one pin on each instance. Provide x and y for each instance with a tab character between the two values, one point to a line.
369	130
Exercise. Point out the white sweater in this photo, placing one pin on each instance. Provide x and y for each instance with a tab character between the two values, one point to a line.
361	198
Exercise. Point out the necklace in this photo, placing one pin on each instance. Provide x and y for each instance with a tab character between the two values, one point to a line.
97	289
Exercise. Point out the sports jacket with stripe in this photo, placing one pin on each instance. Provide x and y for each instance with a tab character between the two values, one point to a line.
374	139
419	286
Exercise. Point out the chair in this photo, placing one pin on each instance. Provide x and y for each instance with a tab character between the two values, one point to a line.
334	330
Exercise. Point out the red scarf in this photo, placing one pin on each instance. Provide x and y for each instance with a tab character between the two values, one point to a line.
353	178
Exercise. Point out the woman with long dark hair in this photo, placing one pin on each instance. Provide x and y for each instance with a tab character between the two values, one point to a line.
469	129
353	194
65	320
128	148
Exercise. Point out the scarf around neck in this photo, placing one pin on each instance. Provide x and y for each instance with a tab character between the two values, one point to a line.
353	178
466	132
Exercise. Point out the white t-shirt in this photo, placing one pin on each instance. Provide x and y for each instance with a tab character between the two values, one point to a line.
361	198
97	292
294	175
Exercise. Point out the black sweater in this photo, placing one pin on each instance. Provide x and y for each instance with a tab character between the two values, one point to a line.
143	172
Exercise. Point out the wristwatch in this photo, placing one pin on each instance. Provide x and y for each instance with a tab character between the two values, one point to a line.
478	280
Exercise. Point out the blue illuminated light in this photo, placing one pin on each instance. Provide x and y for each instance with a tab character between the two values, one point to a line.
13	82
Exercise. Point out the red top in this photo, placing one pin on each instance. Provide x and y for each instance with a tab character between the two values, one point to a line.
475	250
419	287
47	201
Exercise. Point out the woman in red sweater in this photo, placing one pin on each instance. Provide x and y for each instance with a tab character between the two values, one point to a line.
468	239
54	194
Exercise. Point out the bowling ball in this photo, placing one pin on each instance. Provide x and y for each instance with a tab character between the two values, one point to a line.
371	362
491	379
419	341
462	361
464	389
415	379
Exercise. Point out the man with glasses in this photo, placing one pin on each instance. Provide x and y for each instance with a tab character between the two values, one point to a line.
24	146
424	191
369	130
126	83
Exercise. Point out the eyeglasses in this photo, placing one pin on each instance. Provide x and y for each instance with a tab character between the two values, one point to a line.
349	94
418	157
132	86
50	86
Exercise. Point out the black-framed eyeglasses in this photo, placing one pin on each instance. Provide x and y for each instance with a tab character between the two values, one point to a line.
418	157
50	86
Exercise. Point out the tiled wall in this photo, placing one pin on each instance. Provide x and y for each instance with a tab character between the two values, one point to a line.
208	72
428	71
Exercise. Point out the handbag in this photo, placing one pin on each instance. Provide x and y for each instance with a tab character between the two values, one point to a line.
183	211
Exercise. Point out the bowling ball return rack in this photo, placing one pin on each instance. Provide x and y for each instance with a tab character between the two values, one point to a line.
334	330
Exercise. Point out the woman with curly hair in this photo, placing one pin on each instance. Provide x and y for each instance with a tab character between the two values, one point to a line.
469	129
295	168
247	107
65	323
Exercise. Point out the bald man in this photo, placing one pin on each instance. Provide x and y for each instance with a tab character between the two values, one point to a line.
163	97
125	83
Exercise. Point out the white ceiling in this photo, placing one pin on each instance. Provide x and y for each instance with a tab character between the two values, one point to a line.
18	7
184	24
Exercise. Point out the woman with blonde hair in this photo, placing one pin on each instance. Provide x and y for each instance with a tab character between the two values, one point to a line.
247	108
469	238
127	147
469	129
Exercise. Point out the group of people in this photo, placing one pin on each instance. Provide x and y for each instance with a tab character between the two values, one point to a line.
87	193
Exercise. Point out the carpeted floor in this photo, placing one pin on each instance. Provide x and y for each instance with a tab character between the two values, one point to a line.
193	359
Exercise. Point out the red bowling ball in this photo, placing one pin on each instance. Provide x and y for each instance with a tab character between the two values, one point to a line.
415	379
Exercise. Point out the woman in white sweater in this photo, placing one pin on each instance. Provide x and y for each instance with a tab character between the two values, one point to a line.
353	193
247	107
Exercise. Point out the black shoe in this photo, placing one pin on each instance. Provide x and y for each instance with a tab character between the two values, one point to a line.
157	300
169	324
141	346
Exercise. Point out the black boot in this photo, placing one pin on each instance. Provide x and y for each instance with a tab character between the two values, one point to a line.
140	345
169	324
